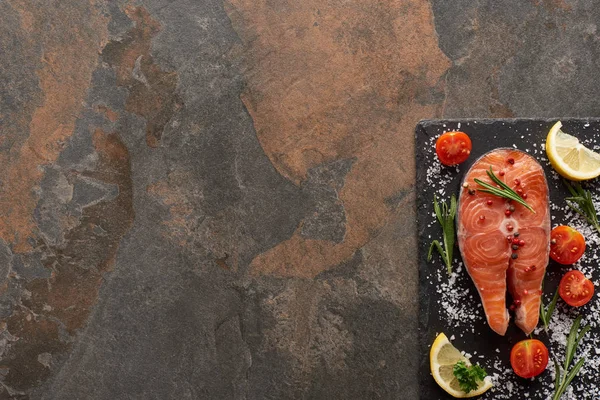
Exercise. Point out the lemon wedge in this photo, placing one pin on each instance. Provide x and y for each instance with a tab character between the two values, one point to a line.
570	158
442	357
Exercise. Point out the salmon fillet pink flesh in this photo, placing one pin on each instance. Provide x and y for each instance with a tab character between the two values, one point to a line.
505	246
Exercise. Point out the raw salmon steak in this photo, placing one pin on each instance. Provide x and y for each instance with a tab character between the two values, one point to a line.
503	244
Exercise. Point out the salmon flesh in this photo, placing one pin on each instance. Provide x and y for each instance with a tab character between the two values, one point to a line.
506	249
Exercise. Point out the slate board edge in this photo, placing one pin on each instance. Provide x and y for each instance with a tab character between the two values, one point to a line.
420	136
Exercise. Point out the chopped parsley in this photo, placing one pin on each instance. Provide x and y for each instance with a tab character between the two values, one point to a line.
468	376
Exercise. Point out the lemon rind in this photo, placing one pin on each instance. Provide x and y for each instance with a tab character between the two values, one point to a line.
437	345
557	161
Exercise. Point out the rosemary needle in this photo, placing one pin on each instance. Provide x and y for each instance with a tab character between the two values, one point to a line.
565	376
546	312
503	191
445	216
582	203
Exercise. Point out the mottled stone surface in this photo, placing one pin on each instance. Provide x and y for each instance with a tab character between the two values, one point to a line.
214	199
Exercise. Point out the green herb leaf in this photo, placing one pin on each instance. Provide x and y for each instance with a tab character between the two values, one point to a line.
546	312
573	373
571	342
582	203
504	190
445	217
557	372
468	376
564	377
435	244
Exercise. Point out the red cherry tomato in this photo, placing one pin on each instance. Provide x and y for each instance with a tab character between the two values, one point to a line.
575	289
567	245
529	358
453	148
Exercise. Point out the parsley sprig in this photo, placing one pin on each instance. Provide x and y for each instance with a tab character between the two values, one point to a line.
468	376
582	203
445	216
503	191
565	376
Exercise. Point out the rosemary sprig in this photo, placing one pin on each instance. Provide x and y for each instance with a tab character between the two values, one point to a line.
565	376
546	312
445	217
503	191
581	202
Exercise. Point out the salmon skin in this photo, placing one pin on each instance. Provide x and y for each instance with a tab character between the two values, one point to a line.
503	251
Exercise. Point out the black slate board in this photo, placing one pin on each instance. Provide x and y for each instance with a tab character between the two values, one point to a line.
470	331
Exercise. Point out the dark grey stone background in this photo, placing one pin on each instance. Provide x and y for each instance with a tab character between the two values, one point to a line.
225	209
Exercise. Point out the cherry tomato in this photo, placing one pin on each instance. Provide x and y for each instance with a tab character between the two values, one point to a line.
567	245
529	358
453	148
575	289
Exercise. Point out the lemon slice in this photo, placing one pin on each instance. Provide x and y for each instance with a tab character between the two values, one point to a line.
570	158
442	357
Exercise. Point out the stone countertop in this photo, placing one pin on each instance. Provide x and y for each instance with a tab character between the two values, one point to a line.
215	200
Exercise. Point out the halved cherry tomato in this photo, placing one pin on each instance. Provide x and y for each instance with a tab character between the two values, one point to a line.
453	148
575	289
566	245
529	358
